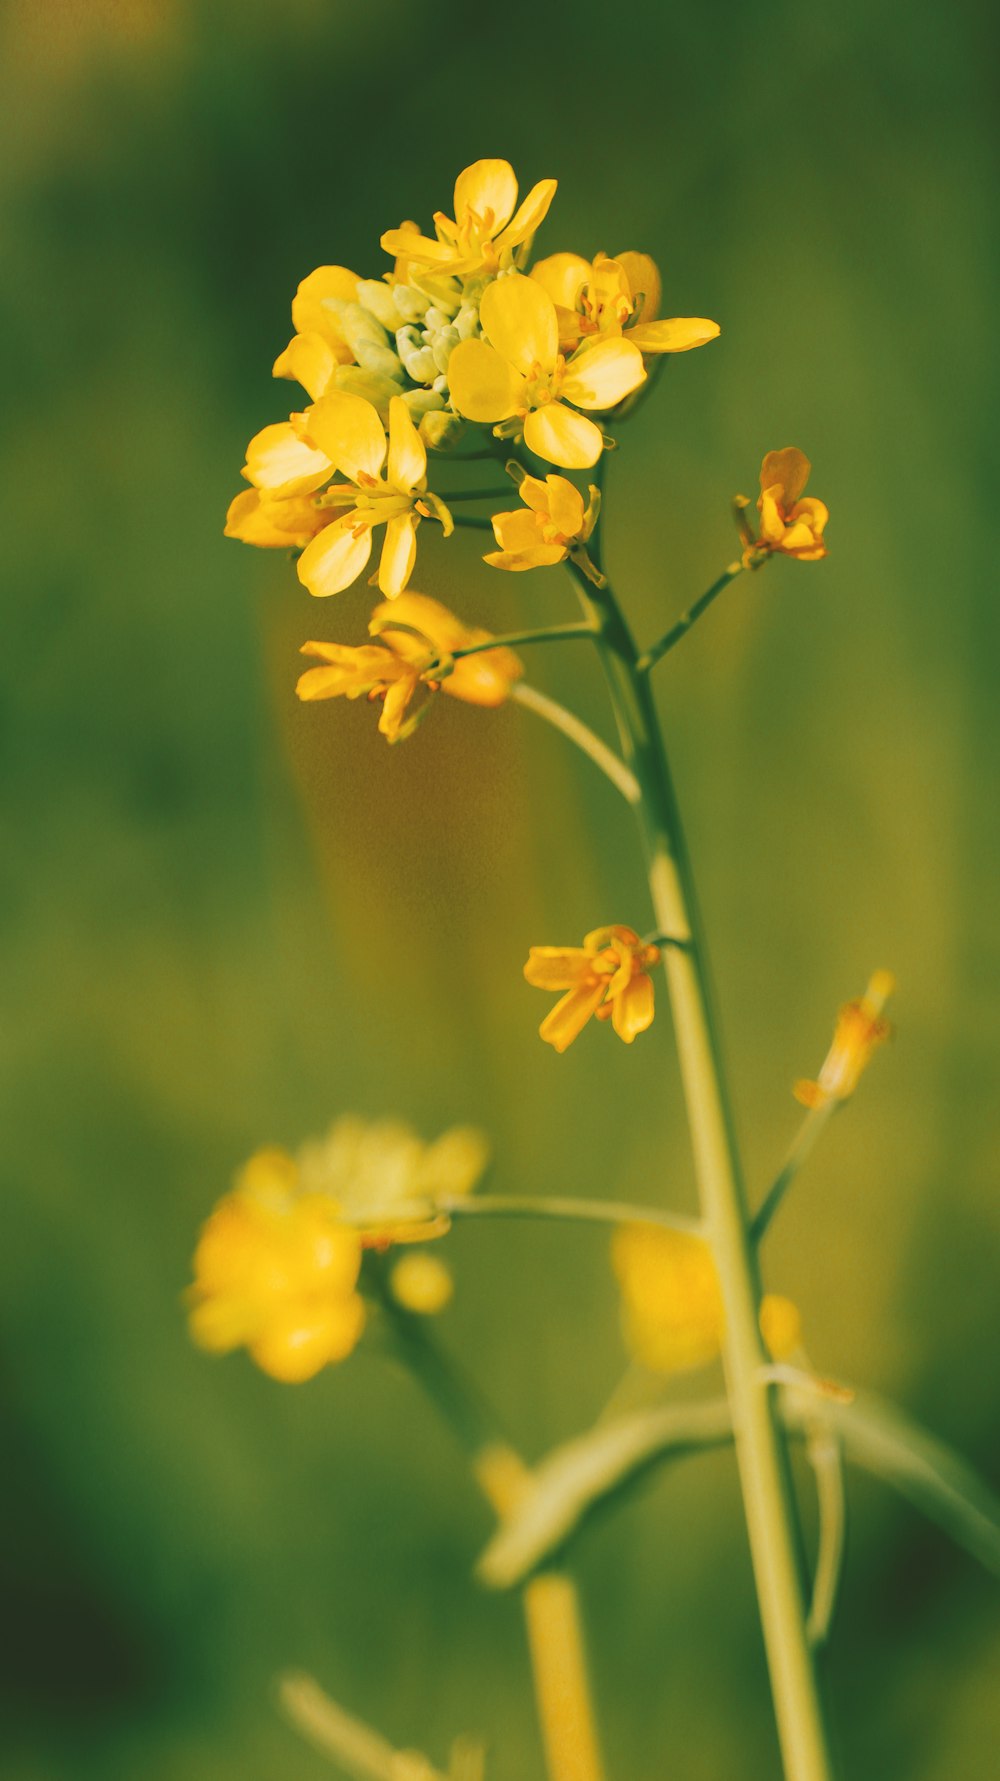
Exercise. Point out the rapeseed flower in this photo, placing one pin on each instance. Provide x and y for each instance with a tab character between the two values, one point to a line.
606	976
274	522
487	228
790	522
387	1181
610	298
859	1031
545	530
516	378
405	660
672	1310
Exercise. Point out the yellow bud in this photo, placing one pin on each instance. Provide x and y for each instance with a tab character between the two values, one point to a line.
422	1283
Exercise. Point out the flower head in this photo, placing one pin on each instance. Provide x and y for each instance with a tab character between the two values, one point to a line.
487	227
605	298
405	660
273	521
672	1310
517	378
275	1271
545	530
790	522
387	1181
606	976
859	1031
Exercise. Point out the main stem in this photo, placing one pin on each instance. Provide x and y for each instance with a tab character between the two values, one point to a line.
762	1459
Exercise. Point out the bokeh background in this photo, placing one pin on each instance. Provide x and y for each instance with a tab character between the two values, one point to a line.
228	918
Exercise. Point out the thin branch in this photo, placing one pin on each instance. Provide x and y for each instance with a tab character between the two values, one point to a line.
604	757
826	1456
802	1148
687	619
514	639
577	1210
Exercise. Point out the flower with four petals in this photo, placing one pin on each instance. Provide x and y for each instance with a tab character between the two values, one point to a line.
790	522
605	298
545	530
607	976
488	225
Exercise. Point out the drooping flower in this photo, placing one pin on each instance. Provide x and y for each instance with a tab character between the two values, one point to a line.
790	522
282	461
407	660
348	431
487	227
545	530
516	374
389	1183
859	1031
276	1271
606	976
611	298
276	523
672	1311
319	344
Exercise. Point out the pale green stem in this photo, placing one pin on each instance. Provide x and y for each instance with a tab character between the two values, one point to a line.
604	757
513	639
577	1211
826	1456
687	619
802	1146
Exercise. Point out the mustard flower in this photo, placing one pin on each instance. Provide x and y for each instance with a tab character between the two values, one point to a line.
618	297
405	660
516	376
789	522
274	522
387	1181
859	1031
282	461
672	1311
319	345
552	521
276	1271
348	431
606	976
487	227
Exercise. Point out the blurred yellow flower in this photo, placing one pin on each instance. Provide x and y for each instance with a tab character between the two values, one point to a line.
387	1181
546	528
516	376
606	976
422	1283
488	224
859	1031
404	660
348	431
672	1310
275	1271
789	522
606	297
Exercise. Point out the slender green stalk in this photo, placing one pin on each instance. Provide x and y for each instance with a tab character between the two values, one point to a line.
621	777
802	1147
687	619
513	639
578	1211
761	1454
826	1456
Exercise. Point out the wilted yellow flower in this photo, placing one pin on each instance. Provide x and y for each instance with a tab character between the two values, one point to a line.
859	1030
272	521
606	976
486	227
672	1310
606	297
347	430
387	1182
275	1271
789	522
422	1283
401	662
546	528
516	374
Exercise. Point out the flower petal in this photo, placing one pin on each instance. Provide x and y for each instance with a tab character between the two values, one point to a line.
309	360
599	376
407	464
565	505
347	672
644	283
348	429
279	524
483	386
309	314
399	553
336	558
561	436
489	190
563	276
394	706
283	464
632	1010
558	967
531	211
789	468
679	334
519	319
570	1015
518	530
484	679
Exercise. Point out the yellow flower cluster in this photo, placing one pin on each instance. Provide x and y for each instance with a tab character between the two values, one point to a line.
277	1266
672	1310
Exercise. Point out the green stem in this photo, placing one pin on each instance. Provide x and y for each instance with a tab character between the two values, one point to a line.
814	1123
761	1453
513	639
604	757
578	1211
687	619
826	1456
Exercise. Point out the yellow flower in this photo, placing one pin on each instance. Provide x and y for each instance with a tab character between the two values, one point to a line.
672	1310
394	668
859	1030
606	976
487	226
607	297
275	1271
387	1181
422	1284
516	373
789	523
545	530
347	431
282	462
279	523
319	344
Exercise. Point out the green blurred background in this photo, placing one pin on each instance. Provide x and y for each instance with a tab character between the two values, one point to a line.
228	918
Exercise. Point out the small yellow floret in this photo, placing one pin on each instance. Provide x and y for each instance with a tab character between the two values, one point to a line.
790	522
422	1283
860	1030
608	976
672	1311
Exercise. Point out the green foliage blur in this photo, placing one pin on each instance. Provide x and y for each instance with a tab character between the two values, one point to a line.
228	918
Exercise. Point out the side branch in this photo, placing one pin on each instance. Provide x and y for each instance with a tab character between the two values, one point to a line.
611	765
687	619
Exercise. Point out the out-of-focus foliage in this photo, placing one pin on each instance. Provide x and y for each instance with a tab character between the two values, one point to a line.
228	918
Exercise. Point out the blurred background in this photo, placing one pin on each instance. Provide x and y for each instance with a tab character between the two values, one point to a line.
228	918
